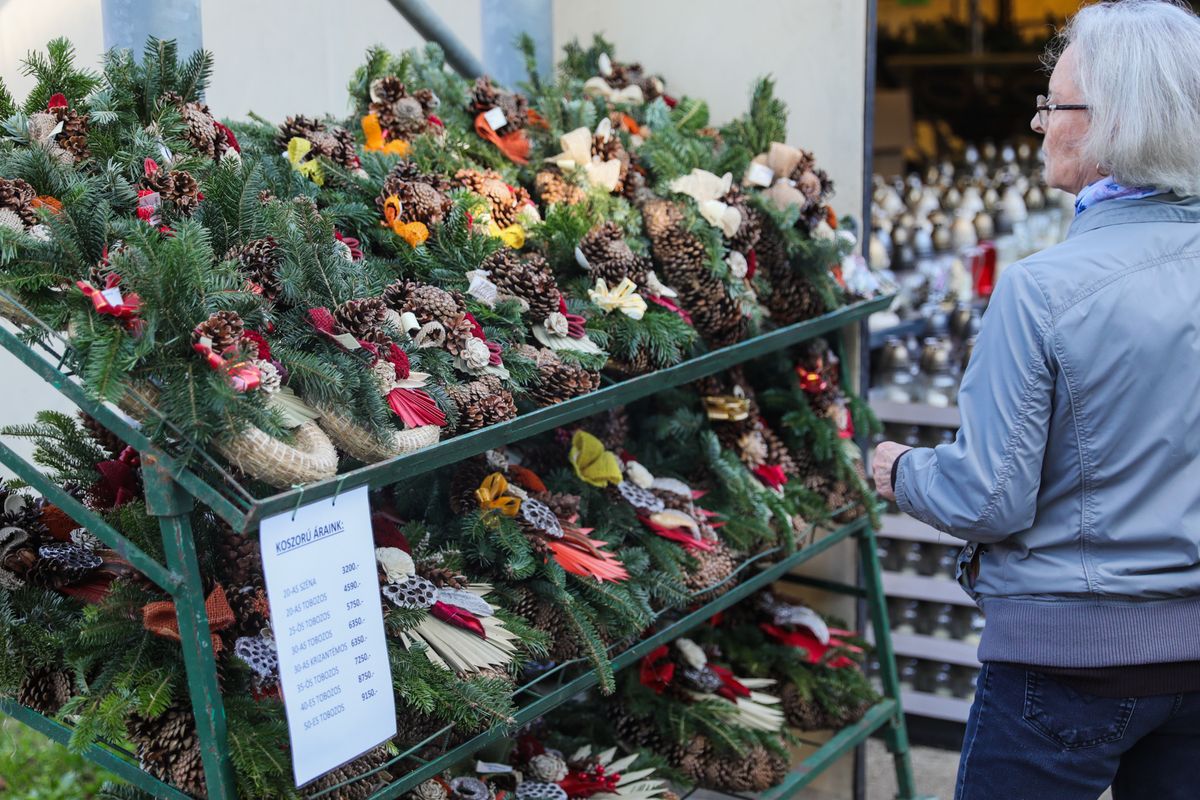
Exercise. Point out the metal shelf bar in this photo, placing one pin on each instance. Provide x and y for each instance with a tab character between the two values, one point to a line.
407	466
840	744
97	754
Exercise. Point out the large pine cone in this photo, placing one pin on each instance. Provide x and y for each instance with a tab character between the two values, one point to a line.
358	788
363	319
422	198
684	263
551	187
504	201
240	561
16	195
747	234
201	130
713	567
557	379
753	771
427	303
401	114
481	403
183	190
224	329
168	748
486	95
109	442
45	690
259	261
528	279
609	256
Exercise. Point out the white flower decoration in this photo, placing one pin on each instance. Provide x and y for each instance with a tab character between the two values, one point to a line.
639	475
556	323
691	653
475	353
737	265
395	562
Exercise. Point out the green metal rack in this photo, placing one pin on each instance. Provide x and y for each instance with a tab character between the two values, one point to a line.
173	486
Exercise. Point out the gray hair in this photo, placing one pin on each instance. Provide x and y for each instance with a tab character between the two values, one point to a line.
1139	70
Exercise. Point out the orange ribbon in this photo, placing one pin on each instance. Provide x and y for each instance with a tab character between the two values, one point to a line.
514	145
160	619
414	233
491	495
373	133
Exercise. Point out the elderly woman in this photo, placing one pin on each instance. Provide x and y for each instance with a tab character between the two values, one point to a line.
1075	477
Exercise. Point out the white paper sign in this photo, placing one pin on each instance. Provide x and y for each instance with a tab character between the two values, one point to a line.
113	296
319	565
495	117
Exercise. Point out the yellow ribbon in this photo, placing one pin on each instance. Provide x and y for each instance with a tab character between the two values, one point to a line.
490	495
592	462
297	149
414	233
513	236
373	132
727	407
621	297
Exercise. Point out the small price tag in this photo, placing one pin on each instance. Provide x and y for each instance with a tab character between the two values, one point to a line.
496	118
319	563
113	296
489	768
760	174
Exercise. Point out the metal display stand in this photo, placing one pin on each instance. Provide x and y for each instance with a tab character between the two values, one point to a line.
172	488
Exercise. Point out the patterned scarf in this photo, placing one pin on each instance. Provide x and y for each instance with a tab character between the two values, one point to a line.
1108	189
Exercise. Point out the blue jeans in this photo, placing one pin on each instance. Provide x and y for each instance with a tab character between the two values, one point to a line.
1030	737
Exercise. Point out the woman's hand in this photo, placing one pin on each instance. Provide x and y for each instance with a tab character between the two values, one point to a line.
885	456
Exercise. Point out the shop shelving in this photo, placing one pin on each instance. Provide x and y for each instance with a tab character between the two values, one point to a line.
173	485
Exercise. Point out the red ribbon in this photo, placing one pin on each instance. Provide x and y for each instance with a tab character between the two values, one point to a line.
150	167
57	100
260	342
399	360
772	475
125	311
751	264
657	671
356	253
118	482
575	323
806	640
682	536
436	120
731	688
669	305
586	783
243	375
387	533
458	617
811	381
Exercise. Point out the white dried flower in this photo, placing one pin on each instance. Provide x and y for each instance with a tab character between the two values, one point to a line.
753	446
638	475
395	562
824	232
269	378
737	265
475	353
40	232
556	323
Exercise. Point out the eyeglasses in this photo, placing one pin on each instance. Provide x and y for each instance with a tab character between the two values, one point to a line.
1044	107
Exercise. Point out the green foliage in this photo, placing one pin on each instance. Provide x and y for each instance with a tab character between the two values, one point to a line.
137	87
33	767
61	448
765	122
55	72
8	106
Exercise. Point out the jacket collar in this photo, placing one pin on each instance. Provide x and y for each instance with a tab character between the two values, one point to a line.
1158	208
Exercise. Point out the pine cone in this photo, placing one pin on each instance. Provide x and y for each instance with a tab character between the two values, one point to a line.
608	148
239	560
504	201
684	263
481	403
182	190
109	442
551	187
486	95
609	257
74	135
427	303
224	329
168	748
201	130
297	126
748	233
528	279
337	144
422	198
17	196
713	567
755	770
61	564
45	690
363	319
559	380
259	261
358	788
401	114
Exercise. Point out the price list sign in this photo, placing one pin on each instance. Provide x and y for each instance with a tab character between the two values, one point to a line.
319	564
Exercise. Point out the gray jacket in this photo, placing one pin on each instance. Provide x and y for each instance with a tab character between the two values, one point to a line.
1075	476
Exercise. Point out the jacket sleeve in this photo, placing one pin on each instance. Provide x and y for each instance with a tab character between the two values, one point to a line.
984	486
